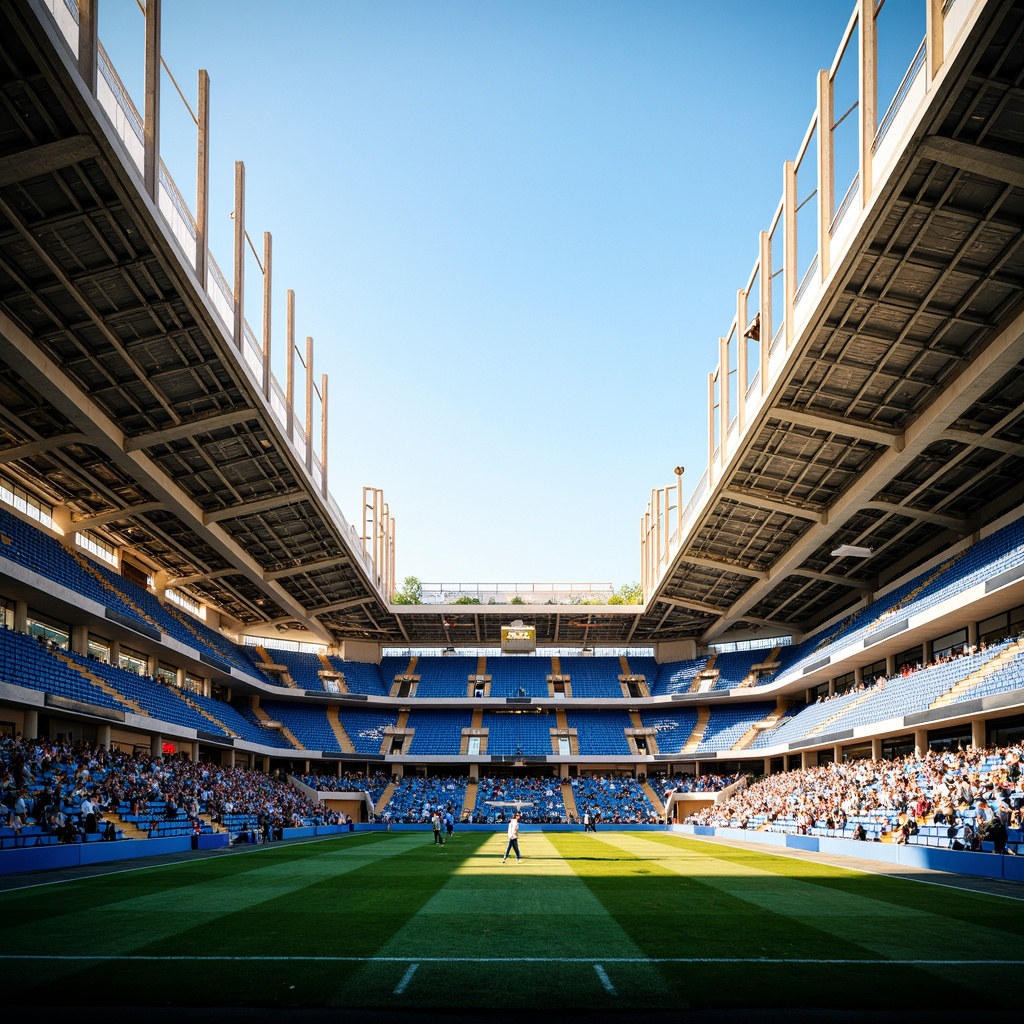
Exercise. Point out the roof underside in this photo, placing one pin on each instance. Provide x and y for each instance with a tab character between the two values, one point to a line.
898	423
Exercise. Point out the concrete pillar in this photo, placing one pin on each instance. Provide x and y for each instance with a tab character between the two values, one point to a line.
837	754
79	641
808	758
978	733
103	736
115	652
766	768
156	745
30	725
890	665
151	116
858	675
876	749
972	634
21	616
920	742
831	687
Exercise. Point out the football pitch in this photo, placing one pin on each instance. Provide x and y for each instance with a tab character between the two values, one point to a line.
610	921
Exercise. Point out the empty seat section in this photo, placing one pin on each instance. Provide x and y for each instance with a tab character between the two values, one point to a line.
600	732
523	675
672	729
438	732
443	677
308	723
727	724
366	728
528	732
593	677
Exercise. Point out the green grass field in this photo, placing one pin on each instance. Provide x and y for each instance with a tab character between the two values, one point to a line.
615	920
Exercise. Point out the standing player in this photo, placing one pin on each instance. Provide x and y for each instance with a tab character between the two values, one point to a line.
513	838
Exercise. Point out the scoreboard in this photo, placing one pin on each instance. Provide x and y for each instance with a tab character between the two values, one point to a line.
518	639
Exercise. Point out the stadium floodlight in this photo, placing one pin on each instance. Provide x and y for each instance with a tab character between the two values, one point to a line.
851	551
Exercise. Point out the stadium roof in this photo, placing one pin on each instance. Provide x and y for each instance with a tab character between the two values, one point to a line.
893	421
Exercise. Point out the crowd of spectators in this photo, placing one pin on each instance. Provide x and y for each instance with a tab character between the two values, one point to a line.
687	782
374	783
67	788
538	800
417	797
619	800
944	788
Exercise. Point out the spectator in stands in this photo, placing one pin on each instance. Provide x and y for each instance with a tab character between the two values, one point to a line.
90	816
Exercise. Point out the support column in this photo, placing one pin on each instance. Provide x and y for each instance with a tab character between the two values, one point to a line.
789	244
826	174
837	754
767	766
711	429
267	280
867	109
972	634
741	360
203	179
808	758
151	122
21	616
156	745
289	364
890	665
767	323
308	432
934	34
920	742
239	282
79	639
876	748
323	451
978	733
88	42
103	736
30	724
723	401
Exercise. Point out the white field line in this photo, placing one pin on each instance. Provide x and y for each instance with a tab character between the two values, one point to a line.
406	978
605	980
873	961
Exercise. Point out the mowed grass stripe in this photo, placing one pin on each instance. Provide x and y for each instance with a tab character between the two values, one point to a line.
963	904
304	916
842	925
665	906
524	927
851	915
141	910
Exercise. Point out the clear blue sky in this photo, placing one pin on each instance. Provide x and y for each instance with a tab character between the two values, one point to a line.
515	232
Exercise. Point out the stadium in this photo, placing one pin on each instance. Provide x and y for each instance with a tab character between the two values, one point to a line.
813	703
